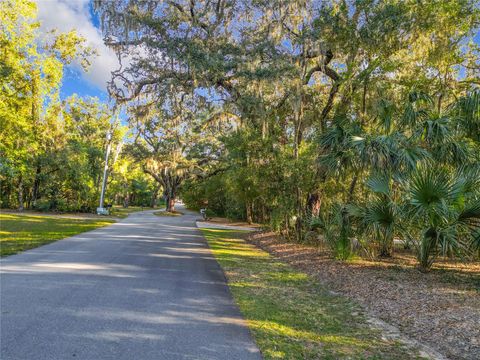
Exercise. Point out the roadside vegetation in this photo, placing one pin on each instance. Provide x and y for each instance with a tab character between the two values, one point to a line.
52	149
168	213
340	123
22	232
394	291
290	315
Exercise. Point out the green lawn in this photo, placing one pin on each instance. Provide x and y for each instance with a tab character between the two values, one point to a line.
290	315
22	232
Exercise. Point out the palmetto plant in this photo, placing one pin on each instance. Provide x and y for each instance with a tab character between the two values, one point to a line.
466	112
337	231
423	160
377	219
443	209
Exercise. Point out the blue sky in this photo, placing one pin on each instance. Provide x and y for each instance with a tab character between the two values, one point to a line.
66	15
74	81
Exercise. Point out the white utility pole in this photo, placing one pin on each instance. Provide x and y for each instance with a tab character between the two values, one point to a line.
101	210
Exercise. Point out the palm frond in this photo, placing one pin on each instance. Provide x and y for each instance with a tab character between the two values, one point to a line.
431	191
475	241
380	215
452	151
467	111
470	215
410	154
376	150
469	177
379	184
386	111
420	96
413	112
435	131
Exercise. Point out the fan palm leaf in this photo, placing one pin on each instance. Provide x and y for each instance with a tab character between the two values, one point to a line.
431	192
467	111
377	219
379	184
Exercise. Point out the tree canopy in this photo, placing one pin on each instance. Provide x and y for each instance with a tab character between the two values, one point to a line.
51	149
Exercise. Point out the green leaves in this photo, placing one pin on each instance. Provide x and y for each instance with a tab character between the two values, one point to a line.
467	113
470	215
441	205
429	186
379	184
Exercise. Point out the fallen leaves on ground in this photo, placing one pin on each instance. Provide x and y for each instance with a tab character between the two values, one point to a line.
440	309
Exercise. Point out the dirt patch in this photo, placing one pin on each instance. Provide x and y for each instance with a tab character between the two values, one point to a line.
440	309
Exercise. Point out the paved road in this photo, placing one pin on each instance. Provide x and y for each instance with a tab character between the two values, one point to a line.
147	287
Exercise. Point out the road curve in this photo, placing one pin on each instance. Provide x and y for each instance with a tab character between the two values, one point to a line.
146	287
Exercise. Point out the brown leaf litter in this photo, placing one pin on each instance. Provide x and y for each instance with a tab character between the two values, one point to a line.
440	309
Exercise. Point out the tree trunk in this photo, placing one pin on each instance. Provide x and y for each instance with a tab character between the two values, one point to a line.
170	195
249	212
386	250
299	229
36	185
352	188
126	200
170	204
314	203
171	184
298	115
126	195
153	201
20	194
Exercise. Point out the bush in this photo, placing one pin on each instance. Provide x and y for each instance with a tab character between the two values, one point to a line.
42	205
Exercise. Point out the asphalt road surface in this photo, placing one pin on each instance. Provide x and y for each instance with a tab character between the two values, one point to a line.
146	287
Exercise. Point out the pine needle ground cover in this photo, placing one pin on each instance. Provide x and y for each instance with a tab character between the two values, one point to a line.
23	232
291	315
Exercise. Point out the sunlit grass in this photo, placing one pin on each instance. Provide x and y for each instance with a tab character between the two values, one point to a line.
122	212
168	213
290	315
23	232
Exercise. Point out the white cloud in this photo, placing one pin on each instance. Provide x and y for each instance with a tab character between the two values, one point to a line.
66	15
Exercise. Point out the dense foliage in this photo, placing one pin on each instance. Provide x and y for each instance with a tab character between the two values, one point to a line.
352	123
52	151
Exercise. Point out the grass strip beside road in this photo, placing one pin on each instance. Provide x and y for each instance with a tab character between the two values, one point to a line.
291	315
168	213
123	212
22	232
